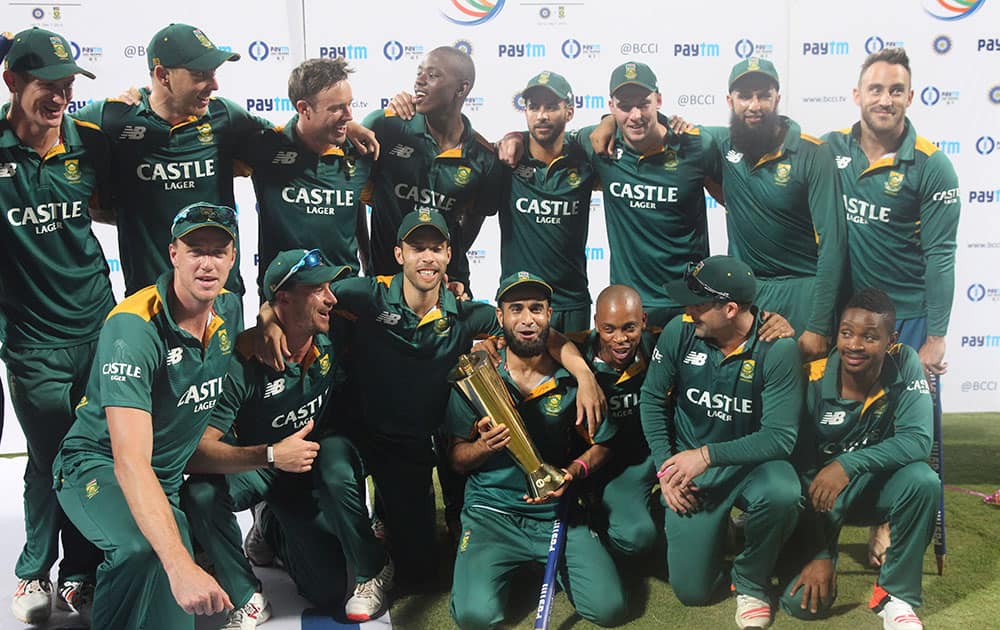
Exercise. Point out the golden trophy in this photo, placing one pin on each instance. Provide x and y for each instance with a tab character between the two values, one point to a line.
483	387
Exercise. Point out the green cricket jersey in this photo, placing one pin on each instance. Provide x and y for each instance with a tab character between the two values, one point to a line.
654	209
144	361
413	174
902	216
304	200
744	406
892	428
262	406
405	359
54	287
549	415
544	223
782	216
159	169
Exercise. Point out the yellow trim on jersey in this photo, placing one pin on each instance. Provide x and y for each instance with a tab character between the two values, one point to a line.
925	146
145	303
386	280
816	369
389	113
84	123
544	388
687	319
649	155
812	139
873	399
638	367
213	326
451	153
694	131
190	119
888	160
59	149
309	359
432	315
333	150
769	157
846	131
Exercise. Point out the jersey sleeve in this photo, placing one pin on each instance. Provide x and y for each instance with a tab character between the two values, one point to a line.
913	424
781	403
656	389
128	356
711	147
374	120
581	137
92	113
460	418
246	129
481	319
830	227
939	211
235	392
354	295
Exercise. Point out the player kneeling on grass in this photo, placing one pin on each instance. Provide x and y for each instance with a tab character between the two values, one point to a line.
502	528
862	453
719	409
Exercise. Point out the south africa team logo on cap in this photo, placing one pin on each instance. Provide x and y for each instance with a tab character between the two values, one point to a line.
72	173
630	71
424	216
894	183
753	63
324	364
523	275
462	175
202	38
573	177
782	173
205	135
58	48
552	404
543	78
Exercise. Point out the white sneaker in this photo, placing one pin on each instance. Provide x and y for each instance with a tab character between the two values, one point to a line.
898	615
32	602
253	613
369	597
752	612
76	596
257	548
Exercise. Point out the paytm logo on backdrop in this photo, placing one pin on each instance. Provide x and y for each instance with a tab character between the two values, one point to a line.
747	48
950	10
980	341
826	48
348	51
984	196
988	45
527	49
573	49
696	49
876	43
470	12
949	147
931	96
275	104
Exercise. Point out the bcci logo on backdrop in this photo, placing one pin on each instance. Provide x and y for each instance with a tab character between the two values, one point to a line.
747	48
950	10
470	12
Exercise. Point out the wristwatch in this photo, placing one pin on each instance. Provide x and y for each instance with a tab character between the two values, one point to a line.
270	456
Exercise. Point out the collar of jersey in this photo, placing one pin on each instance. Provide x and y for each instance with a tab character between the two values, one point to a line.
549	385
68	134
889	377
162	290
790	144
903	154
419	125
292	135
638	365
145	109
446	299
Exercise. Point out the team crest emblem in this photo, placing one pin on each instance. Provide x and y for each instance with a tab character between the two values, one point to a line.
424	216
82	403
753	63
224	344
442	326
324	364
466	535
630	72
782	173
523	275
56	13
543	78
894	183
58	48
462	175
205	135
746	370
552	404
670	160
91	489
202	38
72	173
573	177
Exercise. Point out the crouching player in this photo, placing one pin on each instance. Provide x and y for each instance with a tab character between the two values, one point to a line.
862	453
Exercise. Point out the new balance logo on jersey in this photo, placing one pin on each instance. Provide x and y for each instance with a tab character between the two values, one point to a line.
401	151
389	319
132	132
7	169
274	388
843	161
734	156
285	157
833	418
525	172
174	356
696	358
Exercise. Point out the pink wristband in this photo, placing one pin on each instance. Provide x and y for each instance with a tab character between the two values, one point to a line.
660	474
583	464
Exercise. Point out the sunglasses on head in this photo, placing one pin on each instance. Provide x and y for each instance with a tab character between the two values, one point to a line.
696	286
203	214
310	259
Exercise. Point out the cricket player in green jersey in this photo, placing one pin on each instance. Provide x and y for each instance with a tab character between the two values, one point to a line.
901	199
161	359
308	177
546	211
502	527
720	411
175	147
779	188
862	455
54	294
432	159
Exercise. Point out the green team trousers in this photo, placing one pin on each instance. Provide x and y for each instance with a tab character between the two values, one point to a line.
323	515
626	499
769	494
908	499
132	588
45	386
494	544
571	320
790	297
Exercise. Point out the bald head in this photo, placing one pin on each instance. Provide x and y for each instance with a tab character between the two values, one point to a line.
617	298
619	322
458	62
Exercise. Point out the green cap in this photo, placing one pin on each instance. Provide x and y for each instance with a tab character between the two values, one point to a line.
421	218
203	214
299	266
43	54
184	46
521	278
753	65
715	279
633	73
555	83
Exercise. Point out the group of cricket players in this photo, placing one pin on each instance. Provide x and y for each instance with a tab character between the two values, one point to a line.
792	380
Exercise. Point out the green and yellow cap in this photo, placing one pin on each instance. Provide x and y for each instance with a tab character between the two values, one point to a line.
522	278
184	46
633	73
43	54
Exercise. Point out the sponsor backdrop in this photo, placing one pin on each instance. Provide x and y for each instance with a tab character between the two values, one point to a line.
954	47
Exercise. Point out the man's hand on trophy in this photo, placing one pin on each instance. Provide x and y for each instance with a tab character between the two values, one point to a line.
554	495
493	437
491	346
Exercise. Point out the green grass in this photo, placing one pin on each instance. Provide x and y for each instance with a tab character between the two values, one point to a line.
966	597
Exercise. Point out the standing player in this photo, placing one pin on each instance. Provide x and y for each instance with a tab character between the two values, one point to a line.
161	359
54	294
901	198
862	454
720	410
546	210
502	528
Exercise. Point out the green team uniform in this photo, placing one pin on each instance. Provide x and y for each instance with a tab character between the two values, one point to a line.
304	200
783	220
144	361
745	407
902	216
261	406
413	174
543	229
654	208
626	481
54	294
159	169
883	444
402	362
501	532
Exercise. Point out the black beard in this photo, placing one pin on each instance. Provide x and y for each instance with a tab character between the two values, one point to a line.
753	142
526	349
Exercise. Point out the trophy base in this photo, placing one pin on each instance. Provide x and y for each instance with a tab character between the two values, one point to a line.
547	478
